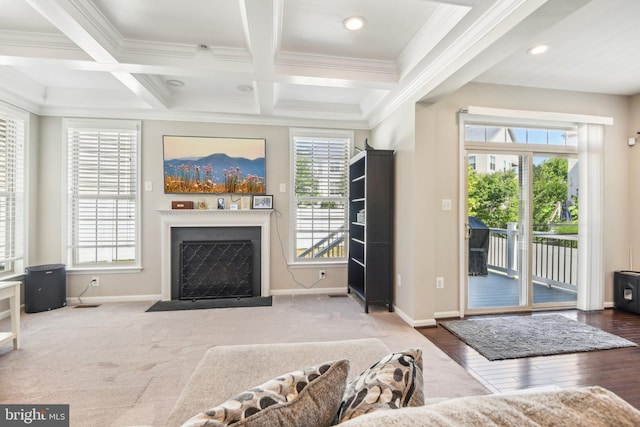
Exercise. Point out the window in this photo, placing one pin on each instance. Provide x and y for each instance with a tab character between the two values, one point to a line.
492	163
320	161
521	135
12	199
102	191
472	162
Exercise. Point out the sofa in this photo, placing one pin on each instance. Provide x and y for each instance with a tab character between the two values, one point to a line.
228	371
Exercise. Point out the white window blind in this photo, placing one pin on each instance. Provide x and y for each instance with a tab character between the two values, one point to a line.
12	209
321	170
102	194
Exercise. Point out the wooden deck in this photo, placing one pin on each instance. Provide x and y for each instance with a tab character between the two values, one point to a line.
498	290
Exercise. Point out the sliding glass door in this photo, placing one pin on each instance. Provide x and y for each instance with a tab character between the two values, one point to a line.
497	230
554	248
521	242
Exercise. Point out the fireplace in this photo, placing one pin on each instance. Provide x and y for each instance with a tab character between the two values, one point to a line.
200	236
215	269
215	262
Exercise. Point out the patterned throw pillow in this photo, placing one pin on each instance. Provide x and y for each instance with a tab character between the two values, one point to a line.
310	397
394	382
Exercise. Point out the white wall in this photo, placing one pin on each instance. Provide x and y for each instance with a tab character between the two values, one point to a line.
634	178
398	133
147	283
432	168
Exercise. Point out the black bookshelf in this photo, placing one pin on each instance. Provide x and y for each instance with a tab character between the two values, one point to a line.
371	238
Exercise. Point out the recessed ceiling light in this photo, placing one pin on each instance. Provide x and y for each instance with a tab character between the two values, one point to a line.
354	23
245	88
175	83
537	50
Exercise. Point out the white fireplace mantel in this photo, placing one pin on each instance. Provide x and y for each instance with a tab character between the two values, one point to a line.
170	218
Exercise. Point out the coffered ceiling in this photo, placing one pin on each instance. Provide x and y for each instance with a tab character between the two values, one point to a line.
292	62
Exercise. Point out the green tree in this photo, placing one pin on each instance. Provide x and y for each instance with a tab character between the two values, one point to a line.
550	188
493	197
306	184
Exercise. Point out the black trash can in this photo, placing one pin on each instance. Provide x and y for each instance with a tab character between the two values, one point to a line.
626	285
45	288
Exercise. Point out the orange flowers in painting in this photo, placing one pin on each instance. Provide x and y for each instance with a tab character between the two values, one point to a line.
188	178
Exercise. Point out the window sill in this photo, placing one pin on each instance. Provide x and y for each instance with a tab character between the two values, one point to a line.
11	276
96	270
306	264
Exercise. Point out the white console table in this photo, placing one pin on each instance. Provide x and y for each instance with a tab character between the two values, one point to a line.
11	290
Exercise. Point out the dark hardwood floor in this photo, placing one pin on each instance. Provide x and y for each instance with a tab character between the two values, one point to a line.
617	369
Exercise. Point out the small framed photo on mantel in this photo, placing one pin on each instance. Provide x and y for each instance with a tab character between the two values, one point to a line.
262	202
245	202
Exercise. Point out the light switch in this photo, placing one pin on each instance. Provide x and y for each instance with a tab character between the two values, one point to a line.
446	204
283	187
148	186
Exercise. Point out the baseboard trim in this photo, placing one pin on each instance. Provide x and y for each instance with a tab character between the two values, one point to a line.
411	322
308	291
424	323
446	314
115	298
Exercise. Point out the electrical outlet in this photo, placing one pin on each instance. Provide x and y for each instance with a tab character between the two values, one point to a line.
399	280
95	281
439	282
321	274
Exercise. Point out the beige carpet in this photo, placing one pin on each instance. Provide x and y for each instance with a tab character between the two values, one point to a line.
117	365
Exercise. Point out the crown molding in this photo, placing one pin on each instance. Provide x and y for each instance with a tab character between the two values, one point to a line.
113	100
48	41
156	88
430	34
339	67
318	110
133	48
24	92
19	102
226	103
154	48
168	115
84	25
475	32
100	25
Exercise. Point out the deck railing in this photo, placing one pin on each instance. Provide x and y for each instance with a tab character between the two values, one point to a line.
555	256
331	246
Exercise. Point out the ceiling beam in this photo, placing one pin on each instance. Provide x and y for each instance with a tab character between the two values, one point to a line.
262	20
82	26
443	20
157	58
482	27
86	27
525	34
468	3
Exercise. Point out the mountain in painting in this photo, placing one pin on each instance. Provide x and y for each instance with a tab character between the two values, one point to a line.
218	163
